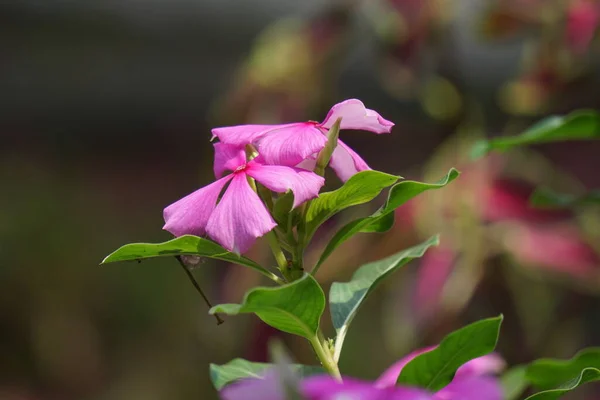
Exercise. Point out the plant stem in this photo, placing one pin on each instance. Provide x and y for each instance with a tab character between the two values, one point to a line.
277	252
325	357
197	287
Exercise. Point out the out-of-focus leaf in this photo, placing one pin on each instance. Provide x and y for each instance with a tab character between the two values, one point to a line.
282	209
578	125
346	298
360	188
294	308
222	375
546	198
383	219
514	382
435	369
548	373
587	375
185	245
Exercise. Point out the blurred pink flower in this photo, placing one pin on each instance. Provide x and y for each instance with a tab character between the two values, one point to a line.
290	144
435	268
583	18
557	248
472	381
240	216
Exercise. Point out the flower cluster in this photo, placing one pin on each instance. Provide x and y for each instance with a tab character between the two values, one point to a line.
284	160
474	380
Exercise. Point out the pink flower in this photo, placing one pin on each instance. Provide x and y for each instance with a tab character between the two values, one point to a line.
473	380
583	18
319	387
239	217
290	144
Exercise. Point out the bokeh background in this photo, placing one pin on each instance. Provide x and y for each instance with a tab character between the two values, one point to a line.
105	119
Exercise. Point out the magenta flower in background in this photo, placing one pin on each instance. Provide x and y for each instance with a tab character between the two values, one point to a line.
583	18
320	387
324	387
239	217
473	381
290	144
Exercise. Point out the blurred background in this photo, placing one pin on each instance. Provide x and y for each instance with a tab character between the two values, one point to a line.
105	119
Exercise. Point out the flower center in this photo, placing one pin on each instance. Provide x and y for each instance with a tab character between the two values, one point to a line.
240	168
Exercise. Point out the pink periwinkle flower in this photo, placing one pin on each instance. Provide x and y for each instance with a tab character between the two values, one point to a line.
239	217
320	387
472	381
291	144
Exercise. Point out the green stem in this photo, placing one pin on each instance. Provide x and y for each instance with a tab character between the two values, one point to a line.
277	252
325	357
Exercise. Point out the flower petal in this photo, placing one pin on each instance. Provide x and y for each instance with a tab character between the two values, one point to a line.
354	115
267	388
471	388
228	157
324	387
280	179
489	364
291	145
241	135
345	162
189	215
240	217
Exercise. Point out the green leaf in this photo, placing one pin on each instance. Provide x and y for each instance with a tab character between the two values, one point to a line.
549	373
294	308
383	219
587	375
546	198
222	375
360	188
514	382
346	298
282	208
184	245
435	369
578	125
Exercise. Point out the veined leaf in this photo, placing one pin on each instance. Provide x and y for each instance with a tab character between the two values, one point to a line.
587	375
383	219
360	188
184	245
346	298
548	373
435	369
578	125
294	308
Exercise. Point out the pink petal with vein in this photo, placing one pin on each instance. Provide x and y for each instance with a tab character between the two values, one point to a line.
241	135
355	115
228	157
345	162
292	144
280	179
190	215
240	217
